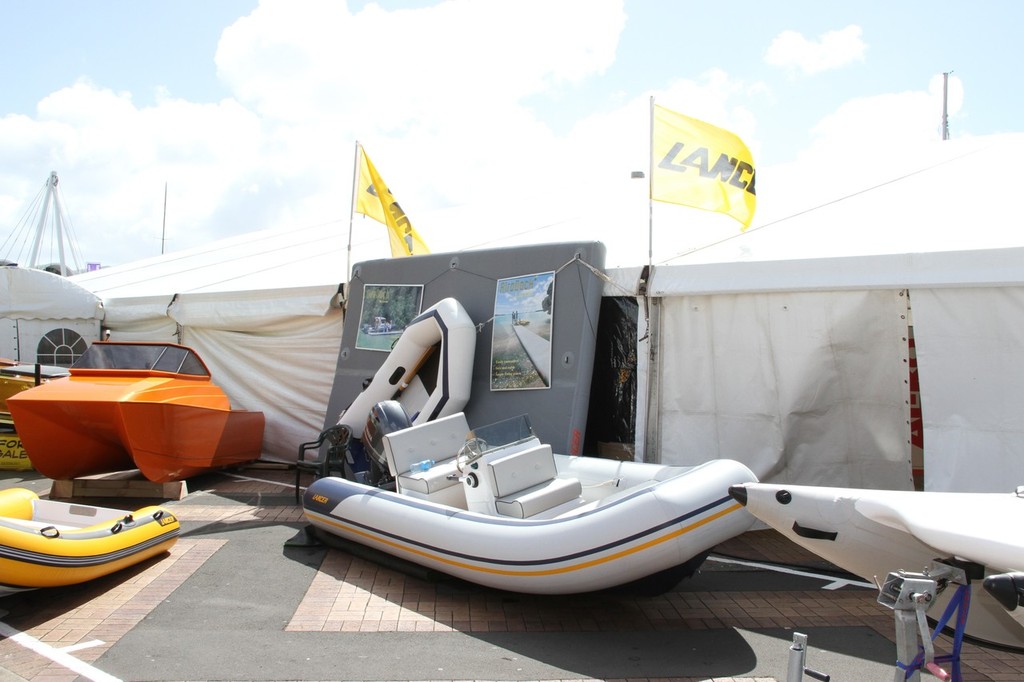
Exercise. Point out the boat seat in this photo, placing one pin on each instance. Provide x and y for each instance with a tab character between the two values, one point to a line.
433	480
525	483
438	440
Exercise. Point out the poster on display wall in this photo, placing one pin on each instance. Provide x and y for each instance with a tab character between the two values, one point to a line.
521	333
387	310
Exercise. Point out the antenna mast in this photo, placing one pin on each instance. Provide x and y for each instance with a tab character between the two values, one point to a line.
163	232
945	110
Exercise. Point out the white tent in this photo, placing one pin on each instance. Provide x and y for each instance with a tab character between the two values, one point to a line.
809	287
787	346
44	317
262	310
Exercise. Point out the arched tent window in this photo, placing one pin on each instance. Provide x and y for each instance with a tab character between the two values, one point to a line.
60	347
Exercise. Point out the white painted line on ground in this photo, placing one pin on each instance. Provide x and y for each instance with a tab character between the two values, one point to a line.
82	645
832	583
260	480
58	656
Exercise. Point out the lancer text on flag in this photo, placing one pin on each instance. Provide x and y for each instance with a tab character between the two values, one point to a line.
374	199
700	165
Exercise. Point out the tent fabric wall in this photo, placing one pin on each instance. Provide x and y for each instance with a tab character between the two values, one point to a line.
272	351
269	350
35	302
287	377
967	310
29	294
970	355
803	387
143	318
261	310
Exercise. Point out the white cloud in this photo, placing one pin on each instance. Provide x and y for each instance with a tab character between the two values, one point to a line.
113	159
833	50
441	98
436	94
888	119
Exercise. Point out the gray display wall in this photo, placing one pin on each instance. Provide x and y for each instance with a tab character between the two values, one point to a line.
501	289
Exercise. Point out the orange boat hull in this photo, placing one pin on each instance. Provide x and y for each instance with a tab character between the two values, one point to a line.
168	426
171	442
67	440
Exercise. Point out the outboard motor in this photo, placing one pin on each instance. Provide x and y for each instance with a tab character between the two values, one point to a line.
385	417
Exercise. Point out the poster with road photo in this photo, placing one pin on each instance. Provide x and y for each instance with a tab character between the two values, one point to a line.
521	336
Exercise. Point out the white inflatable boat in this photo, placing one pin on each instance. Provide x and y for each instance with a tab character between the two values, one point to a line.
443	334
496	507
876	532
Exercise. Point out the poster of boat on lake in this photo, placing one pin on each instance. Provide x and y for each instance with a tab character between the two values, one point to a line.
387	310
521	337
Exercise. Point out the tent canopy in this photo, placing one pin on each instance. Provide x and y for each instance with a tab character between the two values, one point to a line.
262	311
932	197
29	294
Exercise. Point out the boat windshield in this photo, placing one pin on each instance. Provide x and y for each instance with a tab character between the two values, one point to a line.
152	357
505	432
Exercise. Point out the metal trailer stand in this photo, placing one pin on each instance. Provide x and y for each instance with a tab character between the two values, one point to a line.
910	595
798	659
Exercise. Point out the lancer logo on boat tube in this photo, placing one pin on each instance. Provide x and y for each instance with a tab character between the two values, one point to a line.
315	499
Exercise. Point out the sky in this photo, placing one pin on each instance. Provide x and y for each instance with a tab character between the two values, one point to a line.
491	120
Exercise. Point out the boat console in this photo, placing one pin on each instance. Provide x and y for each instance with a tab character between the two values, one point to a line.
501	469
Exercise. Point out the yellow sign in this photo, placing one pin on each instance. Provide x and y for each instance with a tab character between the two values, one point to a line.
12	455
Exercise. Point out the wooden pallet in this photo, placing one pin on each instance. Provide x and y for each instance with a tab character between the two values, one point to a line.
118	484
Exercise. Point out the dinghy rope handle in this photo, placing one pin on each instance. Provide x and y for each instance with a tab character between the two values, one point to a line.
471	451
49	532
119	526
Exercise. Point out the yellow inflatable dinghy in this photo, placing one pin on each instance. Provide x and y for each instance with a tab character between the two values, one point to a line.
46	543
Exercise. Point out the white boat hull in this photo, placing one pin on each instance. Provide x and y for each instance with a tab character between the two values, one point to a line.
872	533
636	532
444	328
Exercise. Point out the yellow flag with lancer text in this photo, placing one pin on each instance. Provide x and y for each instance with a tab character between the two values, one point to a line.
700	165
374	199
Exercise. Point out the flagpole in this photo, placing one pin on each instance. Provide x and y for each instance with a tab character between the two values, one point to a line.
352	211
650	189
647	378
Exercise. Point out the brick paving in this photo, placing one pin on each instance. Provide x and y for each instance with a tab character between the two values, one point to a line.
351	594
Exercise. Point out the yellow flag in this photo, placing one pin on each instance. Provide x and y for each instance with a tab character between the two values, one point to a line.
700	165
374	199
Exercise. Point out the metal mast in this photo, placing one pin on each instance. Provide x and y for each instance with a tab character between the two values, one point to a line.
50	199
52	227
945	110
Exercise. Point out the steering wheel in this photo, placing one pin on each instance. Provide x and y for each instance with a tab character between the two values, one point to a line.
471	451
